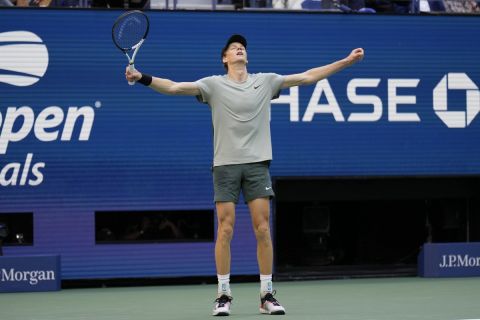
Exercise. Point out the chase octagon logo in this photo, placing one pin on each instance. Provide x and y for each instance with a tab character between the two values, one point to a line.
456	81
24	56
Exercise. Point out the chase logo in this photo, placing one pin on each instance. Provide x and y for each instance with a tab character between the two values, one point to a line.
24	58
456	81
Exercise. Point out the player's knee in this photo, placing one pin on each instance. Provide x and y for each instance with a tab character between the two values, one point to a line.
262	232
225	232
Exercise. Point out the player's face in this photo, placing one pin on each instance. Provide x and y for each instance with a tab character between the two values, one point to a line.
236	52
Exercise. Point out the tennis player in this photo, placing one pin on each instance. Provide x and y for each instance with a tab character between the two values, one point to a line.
240	105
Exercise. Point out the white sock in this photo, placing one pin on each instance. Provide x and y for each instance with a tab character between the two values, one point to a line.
224	284
266	285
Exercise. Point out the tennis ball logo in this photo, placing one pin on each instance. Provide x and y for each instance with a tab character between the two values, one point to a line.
456	81
24	58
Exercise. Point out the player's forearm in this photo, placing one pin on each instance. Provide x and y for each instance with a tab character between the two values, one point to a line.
316	74
164	86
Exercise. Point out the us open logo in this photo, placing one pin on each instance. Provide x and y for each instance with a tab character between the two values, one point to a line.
24	58
24	61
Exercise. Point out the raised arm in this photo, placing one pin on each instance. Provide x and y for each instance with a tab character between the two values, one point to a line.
316	74
166	86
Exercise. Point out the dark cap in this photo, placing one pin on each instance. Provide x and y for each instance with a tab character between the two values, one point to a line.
235	38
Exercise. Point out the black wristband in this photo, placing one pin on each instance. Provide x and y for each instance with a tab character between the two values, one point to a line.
146	79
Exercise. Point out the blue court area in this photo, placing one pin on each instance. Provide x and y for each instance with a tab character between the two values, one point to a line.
350	299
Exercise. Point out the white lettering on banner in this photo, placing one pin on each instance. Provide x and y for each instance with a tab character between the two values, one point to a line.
32	277
451	81
457	260
394	100
49	118
292	100
314	106
332	106
49	125
375	101
9	174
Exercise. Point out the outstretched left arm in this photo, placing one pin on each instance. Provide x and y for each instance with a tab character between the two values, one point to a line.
316	74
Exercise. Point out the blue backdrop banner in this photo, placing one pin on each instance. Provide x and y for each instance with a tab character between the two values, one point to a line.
75	138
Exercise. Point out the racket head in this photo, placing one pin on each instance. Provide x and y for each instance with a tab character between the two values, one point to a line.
130	29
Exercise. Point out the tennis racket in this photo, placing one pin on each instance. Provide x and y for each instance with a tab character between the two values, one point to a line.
128	33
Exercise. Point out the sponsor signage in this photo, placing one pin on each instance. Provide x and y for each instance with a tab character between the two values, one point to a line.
30	273
449	260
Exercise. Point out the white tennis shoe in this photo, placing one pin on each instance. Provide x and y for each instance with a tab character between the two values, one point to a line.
270	305
222	306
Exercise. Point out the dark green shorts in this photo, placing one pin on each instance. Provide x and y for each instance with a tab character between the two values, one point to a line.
253	179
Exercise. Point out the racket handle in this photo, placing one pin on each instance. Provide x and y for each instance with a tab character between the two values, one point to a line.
131	67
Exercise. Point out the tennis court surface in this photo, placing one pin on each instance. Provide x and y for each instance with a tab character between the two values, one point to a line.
349	299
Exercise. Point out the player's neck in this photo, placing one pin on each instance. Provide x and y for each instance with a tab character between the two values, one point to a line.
237	73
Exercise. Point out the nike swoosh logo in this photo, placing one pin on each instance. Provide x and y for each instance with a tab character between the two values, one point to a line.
256	87
268	188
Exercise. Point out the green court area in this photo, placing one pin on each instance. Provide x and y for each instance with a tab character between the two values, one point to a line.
349	299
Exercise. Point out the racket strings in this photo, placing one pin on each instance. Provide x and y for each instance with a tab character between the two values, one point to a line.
130	30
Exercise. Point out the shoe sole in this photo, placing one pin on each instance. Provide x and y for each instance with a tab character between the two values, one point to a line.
221	314
273	313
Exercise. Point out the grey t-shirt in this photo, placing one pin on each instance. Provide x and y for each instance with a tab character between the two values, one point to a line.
241	116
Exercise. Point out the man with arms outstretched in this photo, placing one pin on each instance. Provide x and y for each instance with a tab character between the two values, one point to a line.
240	105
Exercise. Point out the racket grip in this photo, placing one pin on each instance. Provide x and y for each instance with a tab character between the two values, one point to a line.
131	67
